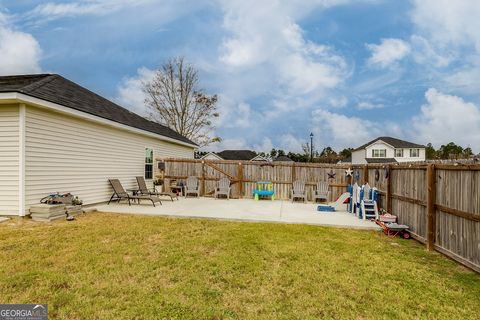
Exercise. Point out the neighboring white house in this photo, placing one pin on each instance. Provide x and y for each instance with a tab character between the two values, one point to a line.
56	136
388	149
242	155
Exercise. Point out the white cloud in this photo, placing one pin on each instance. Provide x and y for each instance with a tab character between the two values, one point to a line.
368	106
289	142
244	114
263	38
51	10
424	53
338	102
451	28
388	52
130	93
340	131
466	78
19	51
225	144
449	22
265	146
447	118
233	114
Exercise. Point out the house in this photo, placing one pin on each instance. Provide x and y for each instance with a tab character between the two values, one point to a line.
388	149
346	160
283	159
57	136
211	156
242	155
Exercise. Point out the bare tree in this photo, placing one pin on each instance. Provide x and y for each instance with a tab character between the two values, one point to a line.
306	147
175	100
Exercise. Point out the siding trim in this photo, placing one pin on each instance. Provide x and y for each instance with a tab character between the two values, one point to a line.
23	98
71	154
21	160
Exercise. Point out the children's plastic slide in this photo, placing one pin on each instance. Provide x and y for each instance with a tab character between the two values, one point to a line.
333	206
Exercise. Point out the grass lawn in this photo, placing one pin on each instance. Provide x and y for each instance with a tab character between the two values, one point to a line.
106	266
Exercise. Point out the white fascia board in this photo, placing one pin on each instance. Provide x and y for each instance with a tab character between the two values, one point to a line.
23	98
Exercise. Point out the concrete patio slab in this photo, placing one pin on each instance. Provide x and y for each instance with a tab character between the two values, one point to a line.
244	210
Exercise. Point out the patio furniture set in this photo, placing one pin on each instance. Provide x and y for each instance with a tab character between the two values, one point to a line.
321	191
138	194
223	188
191	187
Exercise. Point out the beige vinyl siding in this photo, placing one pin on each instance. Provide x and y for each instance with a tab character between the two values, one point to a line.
68	154
9	159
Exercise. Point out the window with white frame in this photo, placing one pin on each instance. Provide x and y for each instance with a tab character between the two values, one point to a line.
379	153
398	153
414	153
148	163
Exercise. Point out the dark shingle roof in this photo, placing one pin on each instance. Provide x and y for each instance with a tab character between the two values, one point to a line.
347	159
283	158
237	154
54	88
396	143
380	160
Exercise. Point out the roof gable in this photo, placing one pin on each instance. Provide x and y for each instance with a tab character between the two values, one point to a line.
56	89
212	154
259	158
394	142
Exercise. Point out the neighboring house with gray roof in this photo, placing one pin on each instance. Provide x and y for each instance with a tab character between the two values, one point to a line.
57	136
241	155
388	150
211	156
282	159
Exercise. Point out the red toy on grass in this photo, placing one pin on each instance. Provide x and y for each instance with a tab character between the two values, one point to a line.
394	229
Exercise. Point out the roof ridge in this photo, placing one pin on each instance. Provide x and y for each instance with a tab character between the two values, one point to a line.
37	84
57	89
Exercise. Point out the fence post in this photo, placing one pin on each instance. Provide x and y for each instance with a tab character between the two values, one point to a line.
240	180
431	195
365	174
389	189
203	178
293	172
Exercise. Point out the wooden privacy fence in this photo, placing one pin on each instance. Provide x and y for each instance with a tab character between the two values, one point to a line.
439	202
244	174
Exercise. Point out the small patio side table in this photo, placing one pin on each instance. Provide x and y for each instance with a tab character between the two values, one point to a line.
177	190
134	191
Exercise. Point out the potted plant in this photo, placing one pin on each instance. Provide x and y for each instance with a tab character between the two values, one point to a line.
158	185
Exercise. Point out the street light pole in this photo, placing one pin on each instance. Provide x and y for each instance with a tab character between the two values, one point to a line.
311	147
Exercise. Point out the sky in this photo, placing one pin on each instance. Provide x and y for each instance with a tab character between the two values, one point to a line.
347	71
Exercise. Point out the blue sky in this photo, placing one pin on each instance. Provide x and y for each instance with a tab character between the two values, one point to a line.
348	71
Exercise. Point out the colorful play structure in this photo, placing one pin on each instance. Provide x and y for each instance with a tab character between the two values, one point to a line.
359	200
363	201
338	205
263	189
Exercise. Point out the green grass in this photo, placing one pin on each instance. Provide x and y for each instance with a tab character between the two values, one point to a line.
105	266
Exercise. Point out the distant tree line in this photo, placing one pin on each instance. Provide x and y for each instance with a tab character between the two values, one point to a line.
448	151
328	155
